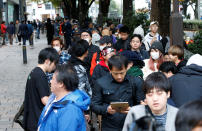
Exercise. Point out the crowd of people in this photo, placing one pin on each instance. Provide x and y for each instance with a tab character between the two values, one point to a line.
87	68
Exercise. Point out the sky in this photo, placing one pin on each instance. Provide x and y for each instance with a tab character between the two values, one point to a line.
138	3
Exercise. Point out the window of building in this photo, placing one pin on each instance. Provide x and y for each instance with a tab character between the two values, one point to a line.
48	6
33	11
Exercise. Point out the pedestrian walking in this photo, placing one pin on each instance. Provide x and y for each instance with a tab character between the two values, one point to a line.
11	32
30	34
56	29
17	38
50	31
67	30
3	32
37	88
23	31
38	28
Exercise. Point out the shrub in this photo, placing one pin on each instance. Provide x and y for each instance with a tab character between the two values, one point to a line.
196	47
133	20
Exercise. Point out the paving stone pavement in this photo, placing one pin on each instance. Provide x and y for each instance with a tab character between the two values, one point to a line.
13	75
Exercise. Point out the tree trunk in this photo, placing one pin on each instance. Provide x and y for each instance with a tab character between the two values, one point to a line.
103	10
161	12
127	8
196	10
71	10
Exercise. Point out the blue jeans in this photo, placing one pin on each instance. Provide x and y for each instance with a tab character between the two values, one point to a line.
38	33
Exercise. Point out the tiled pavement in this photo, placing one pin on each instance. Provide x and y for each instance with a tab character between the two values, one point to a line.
13	75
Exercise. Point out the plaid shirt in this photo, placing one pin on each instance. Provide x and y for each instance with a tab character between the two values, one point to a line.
64	57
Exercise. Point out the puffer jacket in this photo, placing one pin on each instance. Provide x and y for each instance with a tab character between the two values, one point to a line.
65	114
187	85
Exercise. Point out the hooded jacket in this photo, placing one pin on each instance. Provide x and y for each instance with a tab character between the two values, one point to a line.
100	70
80	67
65	114
187	85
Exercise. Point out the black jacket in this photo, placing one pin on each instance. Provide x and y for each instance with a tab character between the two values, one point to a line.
144	54
91	50
181	64
187	85
107	90
23	30
50	30
122	44
99	71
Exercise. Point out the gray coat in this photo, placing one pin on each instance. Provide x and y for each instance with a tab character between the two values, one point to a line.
139	111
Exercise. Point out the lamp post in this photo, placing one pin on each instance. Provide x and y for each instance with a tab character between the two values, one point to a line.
176	25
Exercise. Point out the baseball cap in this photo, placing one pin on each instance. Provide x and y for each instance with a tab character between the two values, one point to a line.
154	22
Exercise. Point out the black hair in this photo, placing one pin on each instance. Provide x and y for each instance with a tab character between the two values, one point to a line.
11	22
118	61
3	22
189	116
68	76
87	31
124	29
28	22
138	36
156	80
168	66
48	53
79	48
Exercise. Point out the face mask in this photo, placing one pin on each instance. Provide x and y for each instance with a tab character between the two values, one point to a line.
155	55
87	39
101	47
57	48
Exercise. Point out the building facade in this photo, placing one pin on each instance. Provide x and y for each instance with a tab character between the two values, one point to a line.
41	11
12	9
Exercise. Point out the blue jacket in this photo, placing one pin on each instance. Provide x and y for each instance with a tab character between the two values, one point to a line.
11	29
65	114
30	29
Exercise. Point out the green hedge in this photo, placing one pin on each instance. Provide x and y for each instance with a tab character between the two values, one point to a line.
196	47
192	24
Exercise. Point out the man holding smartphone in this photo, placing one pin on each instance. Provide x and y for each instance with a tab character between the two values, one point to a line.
115	87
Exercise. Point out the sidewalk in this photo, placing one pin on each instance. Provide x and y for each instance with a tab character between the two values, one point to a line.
13	79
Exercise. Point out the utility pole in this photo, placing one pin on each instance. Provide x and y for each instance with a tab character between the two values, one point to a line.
176	25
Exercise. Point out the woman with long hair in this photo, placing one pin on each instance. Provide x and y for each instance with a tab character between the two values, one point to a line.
156	59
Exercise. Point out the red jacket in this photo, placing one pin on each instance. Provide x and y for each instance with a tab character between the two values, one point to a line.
3	28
